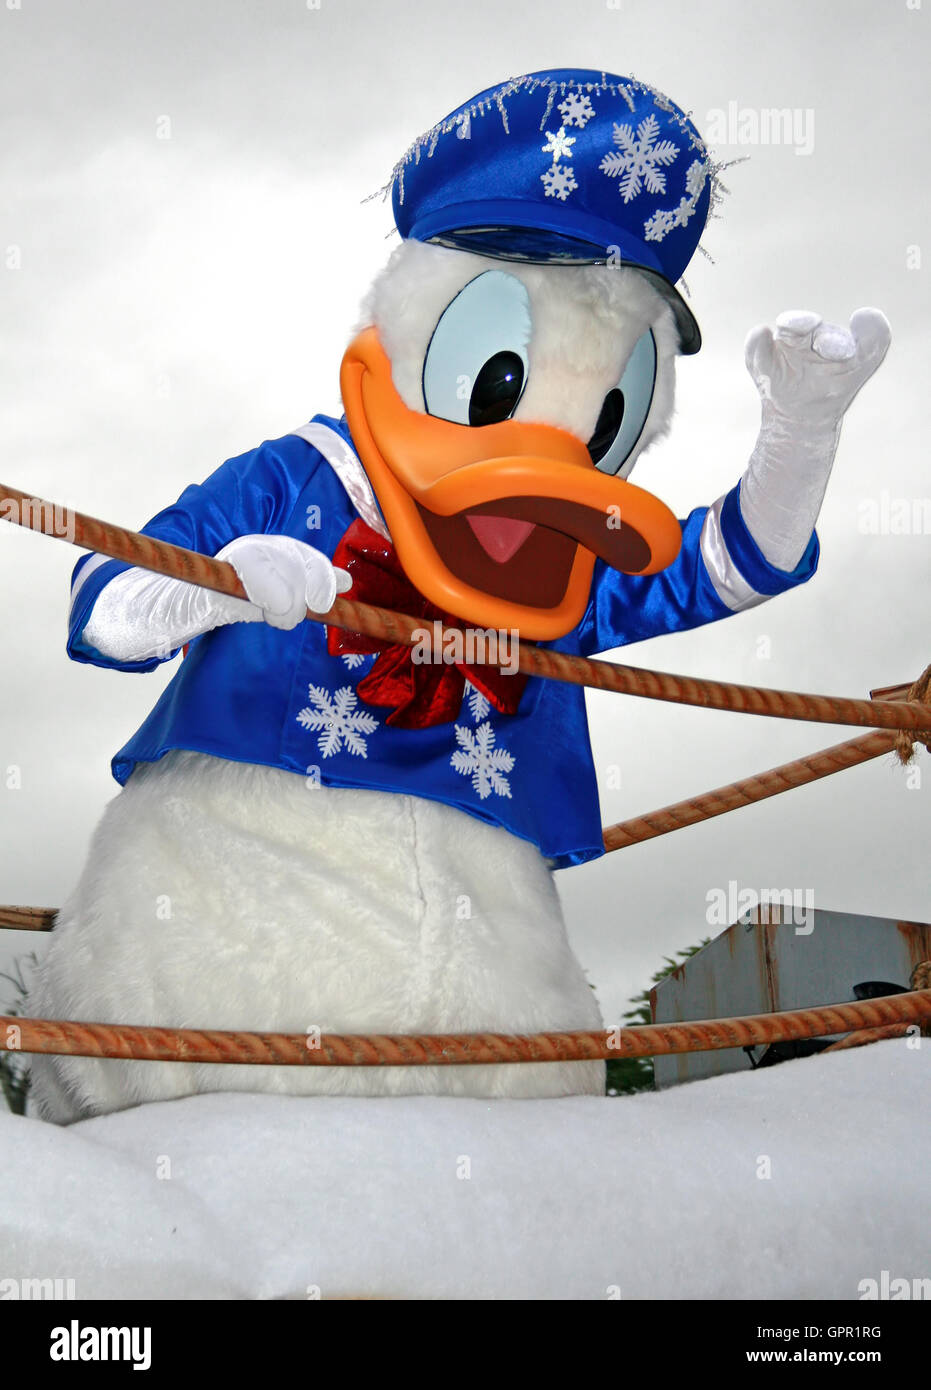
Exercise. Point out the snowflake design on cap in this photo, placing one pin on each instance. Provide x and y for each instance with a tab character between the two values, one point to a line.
664	219
576	110
695	176
656	226
337	721
478	758
559	181
559	144
638	159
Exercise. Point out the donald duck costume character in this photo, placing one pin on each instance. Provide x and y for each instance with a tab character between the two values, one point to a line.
316	832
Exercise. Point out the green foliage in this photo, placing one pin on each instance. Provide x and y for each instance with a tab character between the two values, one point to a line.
14	1067
627	1075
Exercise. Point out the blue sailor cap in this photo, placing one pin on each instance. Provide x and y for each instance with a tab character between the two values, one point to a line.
566	166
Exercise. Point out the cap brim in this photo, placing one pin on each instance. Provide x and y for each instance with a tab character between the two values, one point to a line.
520	244
686	322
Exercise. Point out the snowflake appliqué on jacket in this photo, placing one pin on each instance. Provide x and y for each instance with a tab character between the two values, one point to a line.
639	159
478	758
337	720
479	704
576	110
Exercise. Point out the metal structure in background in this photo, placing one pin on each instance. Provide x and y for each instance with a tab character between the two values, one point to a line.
782	959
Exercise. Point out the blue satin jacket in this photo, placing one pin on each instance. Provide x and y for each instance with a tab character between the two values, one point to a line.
254	694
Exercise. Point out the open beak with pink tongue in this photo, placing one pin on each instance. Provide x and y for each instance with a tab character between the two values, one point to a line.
499	536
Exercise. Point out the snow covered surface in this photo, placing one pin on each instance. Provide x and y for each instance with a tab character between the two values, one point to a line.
427	1197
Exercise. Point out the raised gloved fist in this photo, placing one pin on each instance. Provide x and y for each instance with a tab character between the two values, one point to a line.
809	371
284	577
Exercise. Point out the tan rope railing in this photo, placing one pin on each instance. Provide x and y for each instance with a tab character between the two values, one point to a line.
106	539
28	918
748	790
121	1040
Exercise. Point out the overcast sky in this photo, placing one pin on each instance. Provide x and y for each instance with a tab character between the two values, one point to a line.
167	303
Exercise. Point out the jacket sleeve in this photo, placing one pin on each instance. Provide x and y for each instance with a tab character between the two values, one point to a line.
719	570
247	495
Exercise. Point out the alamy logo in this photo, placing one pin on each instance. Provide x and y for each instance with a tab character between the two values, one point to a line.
886	515
77	1343
467	646
52	519
791	906
886	1288
750	125
36	1290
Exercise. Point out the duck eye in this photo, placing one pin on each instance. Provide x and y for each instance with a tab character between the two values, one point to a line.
609	422
624	412
497	389
477	362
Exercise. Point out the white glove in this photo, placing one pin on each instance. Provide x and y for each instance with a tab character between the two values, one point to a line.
140	615
807	374
283	577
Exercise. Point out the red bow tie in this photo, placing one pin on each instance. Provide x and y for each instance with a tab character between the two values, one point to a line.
419	694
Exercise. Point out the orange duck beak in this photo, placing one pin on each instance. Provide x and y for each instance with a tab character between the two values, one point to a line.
499	524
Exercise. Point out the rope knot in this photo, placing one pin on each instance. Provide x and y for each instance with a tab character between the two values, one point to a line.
921	979
906	739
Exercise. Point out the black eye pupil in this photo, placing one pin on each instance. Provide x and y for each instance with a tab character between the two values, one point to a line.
497	389
609	422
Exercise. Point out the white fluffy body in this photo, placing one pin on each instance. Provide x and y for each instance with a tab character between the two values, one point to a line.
585	323
226	895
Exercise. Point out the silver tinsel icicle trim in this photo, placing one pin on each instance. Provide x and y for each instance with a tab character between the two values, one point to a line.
496	101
